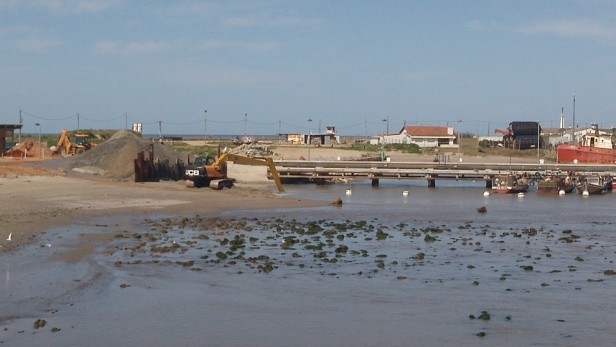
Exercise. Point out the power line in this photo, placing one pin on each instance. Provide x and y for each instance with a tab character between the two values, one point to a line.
46	118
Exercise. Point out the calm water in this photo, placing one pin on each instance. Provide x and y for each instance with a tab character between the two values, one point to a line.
537	265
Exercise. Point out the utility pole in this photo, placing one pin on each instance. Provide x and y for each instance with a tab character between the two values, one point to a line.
78	121
204	127
538	137
309	140
126	120
21	122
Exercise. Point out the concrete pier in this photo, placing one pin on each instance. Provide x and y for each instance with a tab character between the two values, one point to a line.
320	171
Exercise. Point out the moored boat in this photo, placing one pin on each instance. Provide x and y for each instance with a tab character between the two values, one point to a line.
510	184
554	184
594	148
594	185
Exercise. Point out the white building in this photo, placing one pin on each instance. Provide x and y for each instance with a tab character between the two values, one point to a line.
424	136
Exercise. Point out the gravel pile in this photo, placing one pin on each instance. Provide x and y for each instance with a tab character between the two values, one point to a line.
115	157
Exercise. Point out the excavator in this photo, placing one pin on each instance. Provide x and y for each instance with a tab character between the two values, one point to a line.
67	147
207	171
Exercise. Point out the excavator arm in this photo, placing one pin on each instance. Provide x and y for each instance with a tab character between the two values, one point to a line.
238	159
64	143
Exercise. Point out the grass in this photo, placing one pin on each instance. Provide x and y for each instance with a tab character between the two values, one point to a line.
198	150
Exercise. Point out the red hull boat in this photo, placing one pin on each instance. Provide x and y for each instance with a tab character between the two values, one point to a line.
594	148
585	154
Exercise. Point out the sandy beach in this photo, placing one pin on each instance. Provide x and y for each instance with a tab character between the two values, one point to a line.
35	200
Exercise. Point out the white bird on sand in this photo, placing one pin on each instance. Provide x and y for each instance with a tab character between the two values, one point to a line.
405	193
10	236
520	195
349	192
486	193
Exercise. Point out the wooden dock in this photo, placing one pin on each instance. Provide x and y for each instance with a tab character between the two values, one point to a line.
324	171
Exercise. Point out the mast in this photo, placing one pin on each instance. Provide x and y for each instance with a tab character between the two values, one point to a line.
573	126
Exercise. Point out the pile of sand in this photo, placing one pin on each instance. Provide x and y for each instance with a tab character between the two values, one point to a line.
29	149
115	157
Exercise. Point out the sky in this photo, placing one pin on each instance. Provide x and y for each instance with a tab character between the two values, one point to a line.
272	66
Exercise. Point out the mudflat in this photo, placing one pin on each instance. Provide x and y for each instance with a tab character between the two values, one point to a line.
35	199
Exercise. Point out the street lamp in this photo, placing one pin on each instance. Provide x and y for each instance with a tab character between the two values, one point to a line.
245	124
40	146
309	122
385	131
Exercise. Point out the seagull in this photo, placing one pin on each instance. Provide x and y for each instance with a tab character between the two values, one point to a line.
9	238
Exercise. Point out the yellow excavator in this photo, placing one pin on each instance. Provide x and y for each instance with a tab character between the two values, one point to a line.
67	147
207	169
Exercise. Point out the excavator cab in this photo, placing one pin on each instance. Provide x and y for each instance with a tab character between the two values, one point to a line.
81	143
207	169
203	161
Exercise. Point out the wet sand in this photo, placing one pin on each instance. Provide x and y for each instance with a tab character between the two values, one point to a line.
31	204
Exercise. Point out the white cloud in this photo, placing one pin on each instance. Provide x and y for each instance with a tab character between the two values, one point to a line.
581	29
13	30
38	44
258	21
147	47
475	25
200	8
65	6
8	4
263	46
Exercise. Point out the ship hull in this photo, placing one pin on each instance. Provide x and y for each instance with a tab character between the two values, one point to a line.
583	154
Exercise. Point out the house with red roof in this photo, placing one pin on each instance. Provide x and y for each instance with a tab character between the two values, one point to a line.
424	136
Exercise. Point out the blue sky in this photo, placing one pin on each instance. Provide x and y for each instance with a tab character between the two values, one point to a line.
271	65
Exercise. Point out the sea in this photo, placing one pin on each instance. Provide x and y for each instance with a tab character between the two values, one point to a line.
400	264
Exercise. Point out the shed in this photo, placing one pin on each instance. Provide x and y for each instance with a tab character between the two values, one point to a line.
7	136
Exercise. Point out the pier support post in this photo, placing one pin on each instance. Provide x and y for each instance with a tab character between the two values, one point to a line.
431	183
489	184
375	182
